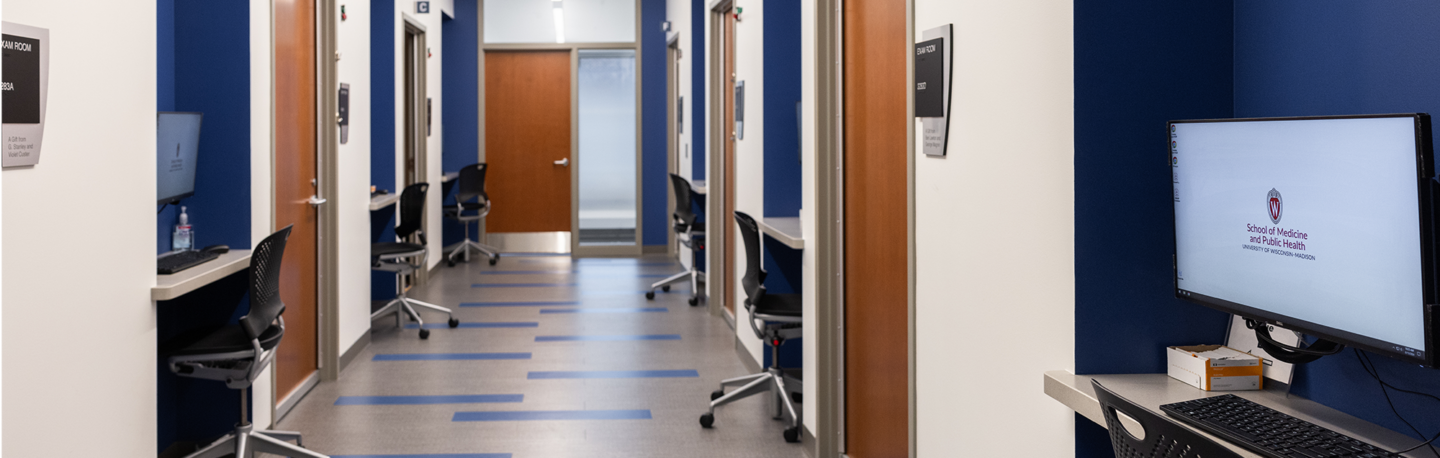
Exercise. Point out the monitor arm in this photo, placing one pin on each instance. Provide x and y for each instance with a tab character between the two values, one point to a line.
1287	353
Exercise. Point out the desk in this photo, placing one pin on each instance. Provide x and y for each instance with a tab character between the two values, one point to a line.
169	287
446	178
383	200
699	187
1152	390
786	230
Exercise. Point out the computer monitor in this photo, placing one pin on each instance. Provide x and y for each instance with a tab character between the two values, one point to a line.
1320	225
177	146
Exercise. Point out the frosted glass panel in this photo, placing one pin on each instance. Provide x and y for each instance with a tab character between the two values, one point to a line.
585	21
607	147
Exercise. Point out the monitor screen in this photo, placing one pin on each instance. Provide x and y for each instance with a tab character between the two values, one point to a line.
1320	225
177	145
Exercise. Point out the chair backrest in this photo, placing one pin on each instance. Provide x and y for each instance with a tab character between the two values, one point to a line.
1163	438
472	183
265	303
684	216
412	209
754	279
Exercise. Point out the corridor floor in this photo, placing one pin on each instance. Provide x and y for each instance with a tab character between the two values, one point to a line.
556	357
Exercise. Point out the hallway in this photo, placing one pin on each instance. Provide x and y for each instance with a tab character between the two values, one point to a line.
554	358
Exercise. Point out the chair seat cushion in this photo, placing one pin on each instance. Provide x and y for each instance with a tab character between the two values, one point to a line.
788	305
389	248
225	339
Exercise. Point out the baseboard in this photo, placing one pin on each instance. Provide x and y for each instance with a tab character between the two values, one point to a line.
655	249
751	365
284	406
807	442
354	351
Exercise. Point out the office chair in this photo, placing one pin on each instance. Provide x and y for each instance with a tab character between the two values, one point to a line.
774	318
1163	438
472	186
391	256
692	235
237	353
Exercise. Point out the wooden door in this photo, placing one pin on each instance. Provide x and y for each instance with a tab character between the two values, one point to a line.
295	153
527	129
876	284
728	42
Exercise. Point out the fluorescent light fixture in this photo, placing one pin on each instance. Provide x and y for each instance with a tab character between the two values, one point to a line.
559	22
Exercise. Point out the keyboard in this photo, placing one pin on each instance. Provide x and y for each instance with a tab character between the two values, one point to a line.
176	262
1269	433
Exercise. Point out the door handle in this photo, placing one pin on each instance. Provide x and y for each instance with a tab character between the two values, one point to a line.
564	162
315	201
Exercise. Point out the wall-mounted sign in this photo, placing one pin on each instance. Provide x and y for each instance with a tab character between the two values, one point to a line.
680	115
343	112
740	110
932	88
422	7
26	75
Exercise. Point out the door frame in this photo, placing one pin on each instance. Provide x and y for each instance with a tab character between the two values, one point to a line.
719	127
672	137
576	250
418	138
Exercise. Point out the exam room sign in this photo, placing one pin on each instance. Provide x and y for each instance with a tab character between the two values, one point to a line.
25	71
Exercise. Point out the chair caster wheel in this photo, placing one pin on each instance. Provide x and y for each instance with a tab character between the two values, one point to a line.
792	435
650	295
455	323
424	333
716	394
797	398
494	260
694	301
450	262
665	288
706	420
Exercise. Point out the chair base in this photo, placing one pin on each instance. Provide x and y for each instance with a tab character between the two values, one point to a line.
462	250
404	305
774	381
245	441
694	276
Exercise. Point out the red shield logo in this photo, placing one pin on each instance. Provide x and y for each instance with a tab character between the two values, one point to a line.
1276	205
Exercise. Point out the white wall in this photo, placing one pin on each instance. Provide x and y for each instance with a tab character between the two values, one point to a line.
990	271
749	154
435	144
678	13
261	199
807	210
91	396
353	170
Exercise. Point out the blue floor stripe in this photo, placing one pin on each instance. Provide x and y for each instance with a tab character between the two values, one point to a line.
520	285
605	310
529	324
613	293
553	415
421	400
448	356
546	375
606	338
440	455
529	272
518	304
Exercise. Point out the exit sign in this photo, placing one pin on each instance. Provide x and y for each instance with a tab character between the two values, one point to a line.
422	7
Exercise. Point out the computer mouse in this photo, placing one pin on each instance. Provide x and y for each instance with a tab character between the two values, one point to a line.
219	249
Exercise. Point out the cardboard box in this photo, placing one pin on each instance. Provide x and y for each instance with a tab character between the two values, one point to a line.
1216	368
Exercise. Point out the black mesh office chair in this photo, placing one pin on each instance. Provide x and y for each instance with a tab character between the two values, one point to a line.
774	318
691	234
1163	438
472	186
391	257
237	353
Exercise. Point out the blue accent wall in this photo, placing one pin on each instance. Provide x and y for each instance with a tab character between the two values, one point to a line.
1296	58
697	57
781	60
654	177
1138	64
460	76
383	30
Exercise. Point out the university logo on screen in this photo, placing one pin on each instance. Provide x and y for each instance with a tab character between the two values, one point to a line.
1276	205
1274	239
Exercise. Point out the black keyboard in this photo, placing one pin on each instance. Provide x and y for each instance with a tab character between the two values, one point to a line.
1269	433
176	262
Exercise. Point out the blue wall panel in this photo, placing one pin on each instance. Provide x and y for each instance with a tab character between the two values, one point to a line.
1295	58
383	28
460	75
654	177
696	124
1138	64
782	137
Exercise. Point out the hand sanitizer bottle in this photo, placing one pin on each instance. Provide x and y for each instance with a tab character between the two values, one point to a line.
183	237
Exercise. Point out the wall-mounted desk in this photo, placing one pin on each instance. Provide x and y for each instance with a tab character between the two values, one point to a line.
1152	390
699	187
446	178
168	287
383	200
786	230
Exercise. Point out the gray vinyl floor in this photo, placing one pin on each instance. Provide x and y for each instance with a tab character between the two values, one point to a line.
603	288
